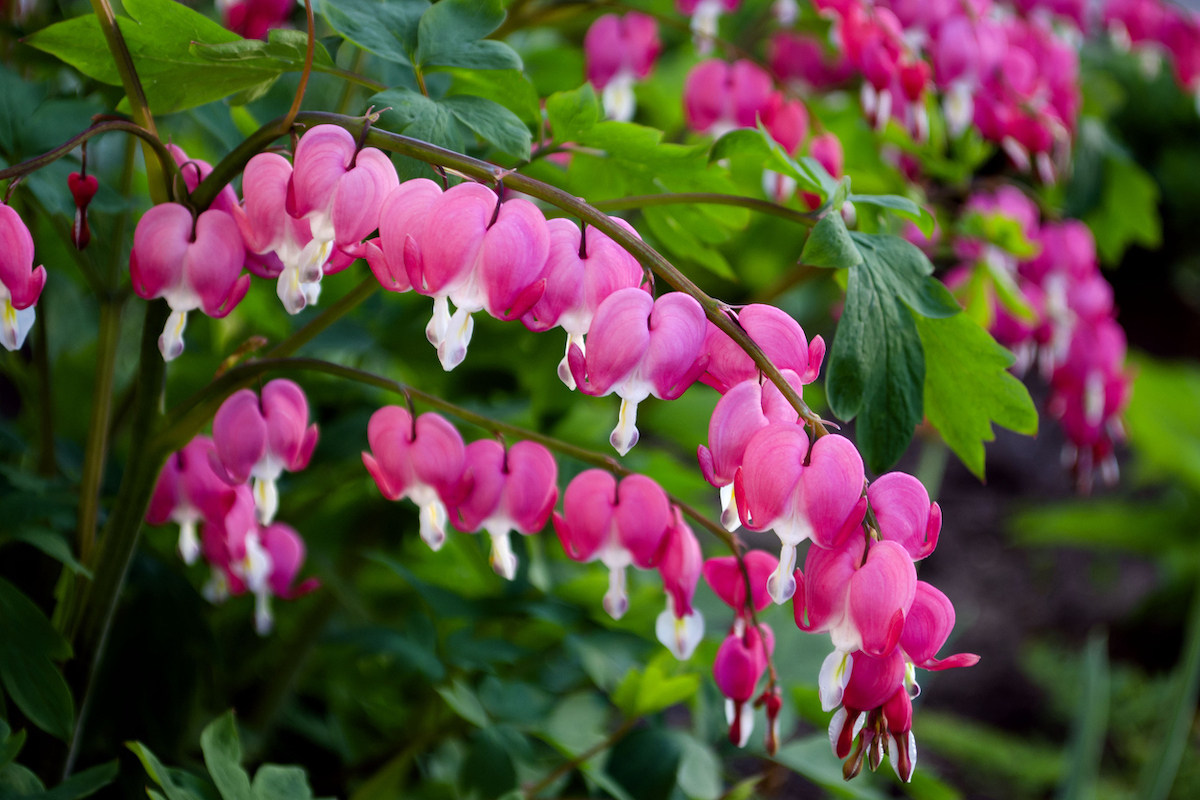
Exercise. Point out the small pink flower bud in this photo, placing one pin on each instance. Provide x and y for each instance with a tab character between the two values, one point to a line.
737	669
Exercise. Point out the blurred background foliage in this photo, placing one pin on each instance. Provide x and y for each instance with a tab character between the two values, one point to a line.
412	674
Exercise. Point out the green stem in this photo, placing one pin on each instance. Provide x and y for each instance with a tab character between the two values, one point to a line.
96	449
708	198
123	61
149	140
718	313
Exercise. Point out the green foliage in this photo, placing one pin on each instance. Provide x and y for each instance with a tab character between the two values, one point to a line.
1127	213
968	387
1091	723
1162	420
29	646
389	29
643	692
876	366
437	121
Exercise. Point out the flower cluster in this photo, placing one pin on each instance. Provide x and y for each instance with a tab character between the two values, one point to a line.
204	489
1052	305
1155	30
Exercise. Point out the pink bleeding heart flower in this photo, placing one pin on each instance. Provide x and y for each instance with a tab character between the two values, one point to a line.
582	270
191	263
422	461
620	51
779	336
617	524
705	16
904	513
739	666
874	682
403	214
719	97
254	19
743	411
724	576
20	283
223	545
338	187
260	439
188	492
927	626
861	604
680	627
637	347
481	254
802	60
509	490
819	498
269	229
274	556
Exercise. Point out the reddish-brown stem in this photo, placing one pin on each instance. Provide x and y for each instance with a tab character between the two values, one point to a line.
304	75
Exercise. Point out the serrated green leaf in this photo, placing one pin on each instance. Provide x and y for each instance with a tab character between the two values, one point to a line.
450	34
876	366
572	113
829	245
387	29
223	757
899	205
414	114
1128	211
508	87
968	387
28	647
492	122
159	34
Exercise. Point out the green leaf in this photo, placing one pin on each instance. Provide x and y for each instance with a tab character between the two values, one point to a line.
1091	723
666	226
18	100
492	122
28	647
1163	424
1128	211
899	205
223	757
11	747
1158	775
464	702
159	34
53	544
829	245
387	29
968	386
646	763
414	114
450	34
1107	524
273	782
812	758
159	774
83	784
572	113
699	768
508	87
999	229
646	692
284	51
876	365
757	144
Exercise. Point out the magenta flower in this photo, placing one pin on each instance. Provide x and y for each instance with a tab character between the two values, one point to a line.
260	439
254	19
617	524
481	254
779	336
620	51
20	283
737	669
904	513
801	59
581	271
819	499
927	626
403	214
787	123
680	627
191	263
223	545
724	577
636	347
513	490
422	462
269	229
188	492
744	410
338	187
719	97
274	556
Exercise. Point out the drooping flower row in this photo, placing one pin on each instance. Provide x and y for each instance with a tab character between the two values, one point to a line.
1059	314
221	493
